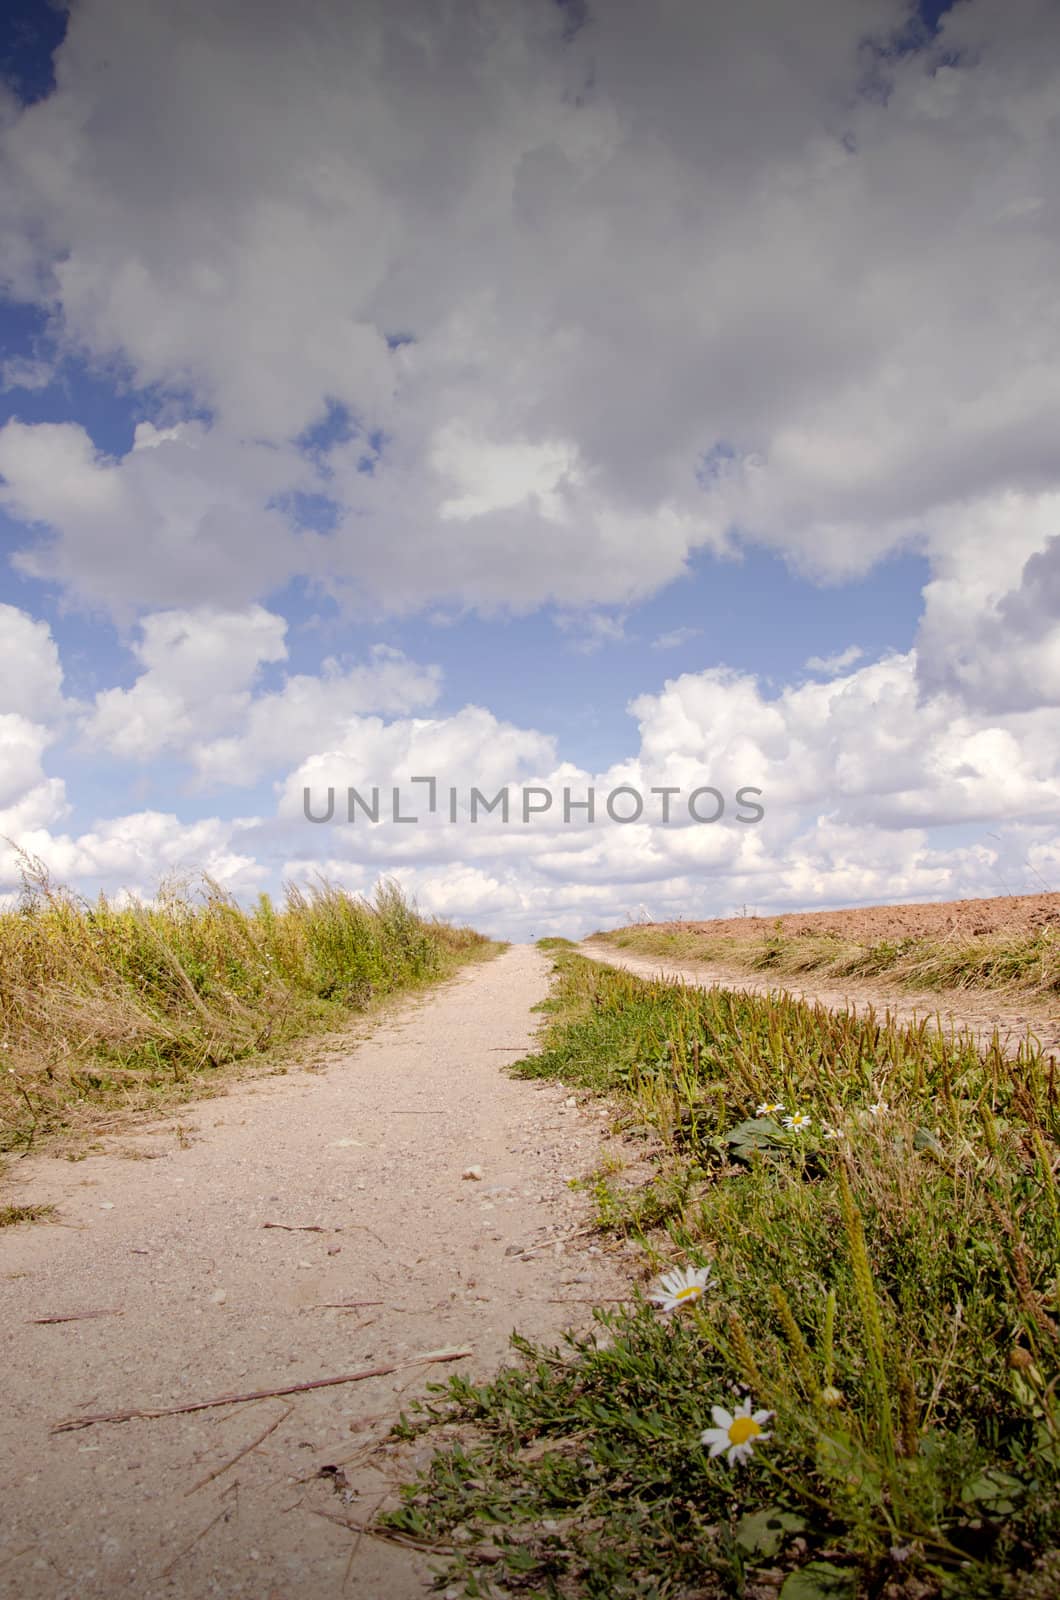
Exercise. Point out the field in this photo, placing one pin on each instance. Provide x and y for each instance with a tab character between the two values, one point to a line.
1007	944
107	1008
881	1296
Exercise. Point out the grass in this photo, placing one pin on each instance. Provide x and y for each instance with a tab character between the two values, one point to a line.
10	1216
104	1006
1017	962
890	1295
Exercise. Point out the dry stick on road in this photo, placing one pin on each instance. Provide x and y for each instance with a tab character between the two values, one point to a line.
73	1316
247	1448
72	1423
300	1227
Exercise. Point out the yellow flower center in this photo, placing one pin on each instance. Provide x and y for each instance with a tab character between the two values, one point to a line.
691	1291
742	1429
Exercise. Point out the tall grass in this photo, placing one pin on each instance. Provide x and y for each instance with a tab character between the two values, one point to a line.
103	1005
1025	963
891	1295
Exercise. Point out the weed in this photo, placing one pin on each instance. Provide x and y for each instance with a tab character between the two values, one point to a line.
889	1294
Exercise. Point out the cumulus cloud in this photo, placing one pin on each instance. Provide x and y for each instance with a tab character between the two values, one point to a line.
198	695
592	298
31	675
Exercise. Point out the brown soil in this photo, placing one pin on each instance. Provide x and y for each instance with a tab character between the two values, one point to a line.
179	1291
1002	914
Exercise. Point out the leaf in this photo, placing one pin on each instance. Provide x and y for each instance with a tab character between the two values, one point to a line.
820	1580
763	1532
759	1135
924	1139
994	1492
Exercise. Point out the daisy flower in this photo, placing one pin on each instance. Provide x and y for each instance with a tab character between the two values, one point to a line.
737	1433
799	1122
683	1286
769	1108
832	1133
878	1108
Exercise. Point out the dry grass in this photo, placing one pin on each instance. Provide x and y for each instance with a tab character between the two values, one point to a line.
104	1007
1007	961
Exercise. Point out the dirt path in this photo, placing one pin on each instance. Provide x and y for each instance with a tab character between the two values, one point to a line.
203	1299
979	1012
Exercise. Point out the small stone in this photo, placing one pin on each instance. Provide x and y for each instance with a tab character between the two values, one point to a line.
474	1173
219	1297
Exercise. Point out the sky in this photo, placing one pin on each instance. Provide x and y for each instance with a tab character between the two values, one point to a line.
538	396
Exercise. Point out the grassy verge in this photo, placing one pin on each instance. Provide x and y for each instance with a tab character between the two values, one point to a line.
105	1007
1024	963
888	1294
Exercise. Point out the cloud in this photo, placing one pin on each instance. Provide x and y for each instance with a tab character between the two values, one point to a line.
591	301
199	696
675	638
863	780
198	671
589	631
31	675
835	663
20	372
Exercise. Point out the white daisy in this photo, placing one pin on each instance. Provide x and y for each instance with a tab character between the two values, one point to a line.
832	1133
770	1108
682	1286
879	1108
799	1122
735	1434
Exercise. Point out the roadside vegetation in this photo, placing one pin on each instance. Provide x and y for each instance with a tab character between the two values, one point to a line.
849	1389
105	1007
1019	962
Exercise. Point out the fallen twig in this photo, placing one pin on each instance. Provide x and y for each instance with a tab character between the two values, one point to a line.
562	1238
589	1300
253	1445
72	1423
74	1316
303	1227
344	1305
224	1512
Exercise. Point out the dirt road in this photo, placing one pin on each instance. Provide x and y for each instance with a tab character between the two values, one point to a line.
975	1010
218	1266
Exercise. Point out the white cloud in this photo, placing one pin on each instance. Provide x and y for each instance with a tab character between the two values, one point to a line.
861	780
199	668
199	696
657	282
675	638
833	664
31	676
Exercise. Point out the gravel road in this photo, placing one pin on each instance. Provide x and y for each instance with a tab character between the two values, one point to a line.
217	1267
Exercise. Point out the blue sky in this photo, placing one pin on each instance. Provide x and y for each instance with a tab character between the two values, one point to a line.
641	422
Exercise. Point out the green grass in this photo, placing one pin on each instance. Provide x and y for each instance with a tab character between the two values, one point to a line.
104	1006
892	1296
1020	963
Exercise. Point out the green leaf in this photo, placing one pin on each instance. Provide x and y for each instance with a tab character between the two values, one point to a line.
820	1580
763	1532
994	1492
924	1139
